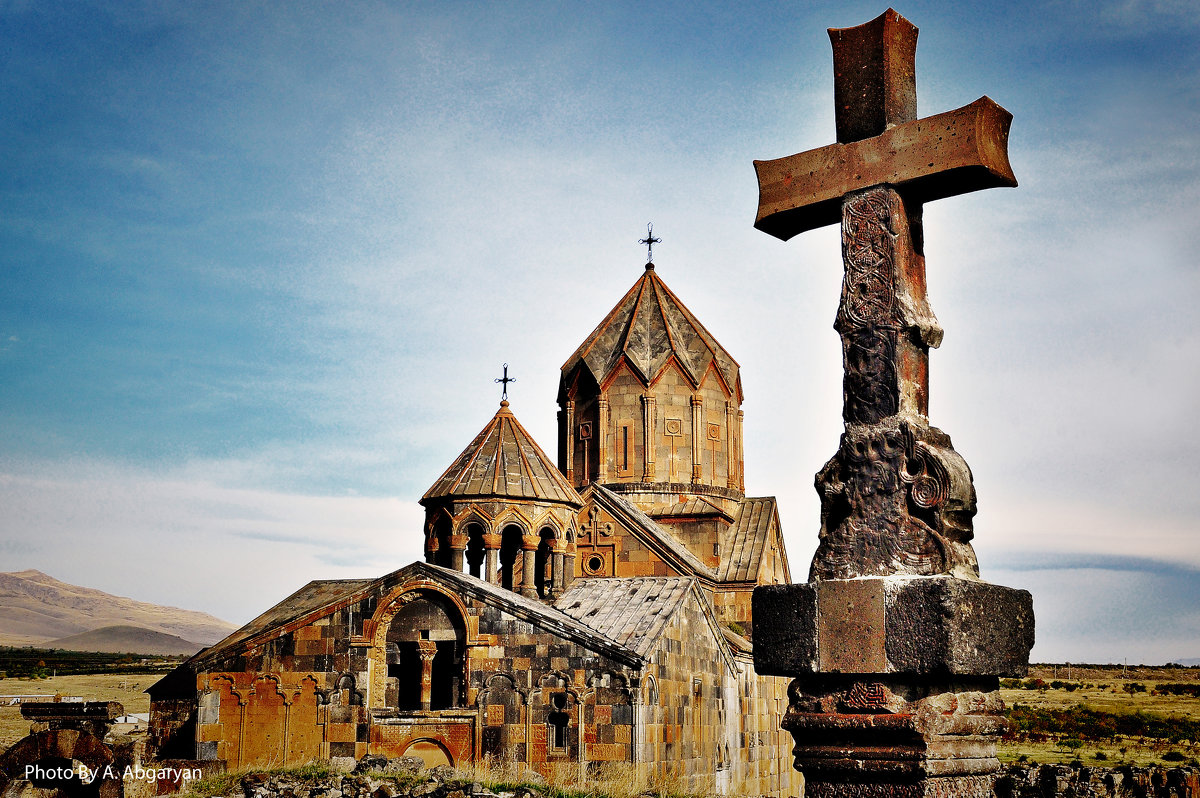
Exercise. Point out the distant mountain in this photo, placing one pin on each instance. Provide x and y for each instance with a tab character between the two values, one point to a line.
36	609
127	640
1190	662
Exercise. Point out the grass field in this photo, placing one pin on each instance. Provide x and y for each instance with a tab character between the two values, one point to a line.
97	687
1105	690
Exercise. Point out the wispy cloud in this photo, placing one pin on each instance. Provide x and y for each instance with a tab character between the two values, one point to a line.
178	540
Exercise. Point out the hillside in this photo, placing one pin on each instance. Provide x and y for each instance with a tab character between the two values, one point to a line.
36	609
126	639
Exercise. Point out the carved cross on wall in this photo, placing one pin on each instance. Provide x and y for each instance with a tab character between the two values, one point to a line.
886	164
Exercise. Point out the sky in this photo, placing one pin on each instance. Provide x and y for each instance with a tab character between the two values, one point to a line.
263	261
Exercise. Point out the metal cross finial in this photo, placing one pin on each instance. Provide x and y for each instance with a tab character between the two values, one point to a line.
505	380
649	241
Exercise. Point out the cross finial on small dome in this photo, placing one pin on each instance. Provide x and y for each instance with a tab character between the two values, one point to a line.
649	241
504	381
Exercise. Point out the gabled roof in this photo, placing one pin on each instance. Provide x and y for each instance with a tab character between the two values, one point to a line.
649	327
748	539
323	597
653	535
504	461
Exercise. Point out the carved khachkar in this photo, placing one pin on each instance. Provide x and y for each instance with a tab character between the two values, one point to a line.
895	643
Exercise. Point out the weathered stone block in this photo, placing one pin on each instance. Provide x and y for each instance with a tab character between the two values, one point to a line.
901	625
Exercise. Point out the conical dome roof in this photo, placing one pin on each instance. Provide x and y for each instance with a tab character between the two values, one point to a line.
648	327
503	461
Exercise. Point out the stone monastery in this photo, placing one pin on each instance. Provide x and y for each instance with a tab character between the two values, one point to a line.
594	614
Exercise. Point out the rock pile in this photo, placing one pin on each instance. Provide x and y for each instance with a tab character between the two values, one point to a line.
1062	781
375	777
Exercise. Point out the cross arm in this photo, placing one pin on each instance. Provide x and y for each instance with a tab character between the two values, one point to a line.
927	159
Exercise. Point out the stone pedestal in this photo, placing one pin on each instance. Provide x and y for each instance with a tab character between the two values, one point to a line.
895	687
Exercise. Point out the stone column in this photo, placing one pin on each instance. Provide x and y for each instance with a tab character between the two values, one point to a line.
529	544
428	650
491	547
731	437
568	566
697	438
431	547
741	458
649	443
558	559
602	441
569	442
458	547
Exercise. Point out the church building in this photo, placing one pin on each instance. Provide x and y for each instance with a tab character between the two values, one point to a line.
570	616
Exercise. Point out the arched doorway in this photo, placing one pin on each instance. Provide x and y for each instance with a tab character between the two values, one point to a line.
426	643
431	752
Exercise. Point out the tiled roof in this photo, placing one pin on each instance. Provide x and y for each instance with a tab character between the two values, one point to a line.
651	530
649	326
504	461
747	540
632	611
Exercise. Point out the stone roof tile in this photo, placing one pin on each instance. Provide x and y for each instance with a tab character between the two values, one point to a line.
649	327
504	461
632	611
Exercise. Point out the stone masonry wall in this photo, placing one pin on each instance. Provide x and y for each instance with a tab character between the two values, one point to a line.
528	696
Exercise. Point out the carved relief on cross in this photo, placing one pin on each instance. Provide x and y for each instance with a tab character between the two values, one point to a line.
885	165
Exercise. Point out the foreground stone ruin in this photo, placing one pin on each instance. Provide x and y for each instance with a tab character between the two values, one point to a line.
895	644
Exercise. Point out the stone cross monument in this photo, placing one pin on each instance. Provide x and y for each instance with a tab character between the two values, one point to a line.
895	645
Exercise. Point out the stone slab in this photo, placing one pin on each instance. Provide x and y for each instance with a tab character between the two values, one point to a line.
893	625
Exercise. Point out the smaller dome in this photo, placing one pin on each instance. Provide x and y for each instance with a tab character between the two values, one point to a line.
503	462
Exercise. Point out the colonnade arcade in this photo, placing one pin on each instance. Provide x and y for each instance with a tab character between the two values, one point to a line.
506	552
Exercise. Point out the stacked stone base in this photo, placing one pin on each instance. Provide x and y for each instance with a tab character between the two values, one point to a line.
895	736
896	688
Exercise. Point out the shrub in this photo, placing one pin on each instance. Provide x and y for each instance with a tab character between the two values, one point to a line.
1173	756
1070	743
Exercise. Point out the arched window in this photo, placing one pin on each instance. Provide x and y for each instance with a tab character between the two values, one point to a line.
543	563
510	554
475	549
557	721
441	530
